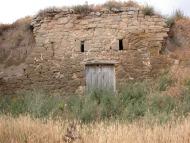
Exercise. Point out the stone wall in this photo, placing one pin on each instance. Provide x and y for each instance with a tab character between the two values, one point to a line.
57	63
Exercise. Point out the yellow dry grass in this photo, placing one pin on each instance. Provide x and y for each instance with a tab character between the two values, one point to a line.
26	130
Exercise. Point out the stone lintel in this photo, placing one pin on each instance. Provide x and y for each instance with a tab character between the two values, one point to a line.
100	62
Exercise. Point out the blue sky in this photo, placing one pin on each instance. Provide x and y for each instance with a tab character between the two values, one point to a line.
11	10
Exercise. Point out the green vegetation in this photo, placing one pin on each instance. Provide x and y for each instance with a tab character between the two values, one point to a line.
50	11
117	5
35	103
85	9
164	82
82	9
135	101
131	3
113	4
148	10
177	15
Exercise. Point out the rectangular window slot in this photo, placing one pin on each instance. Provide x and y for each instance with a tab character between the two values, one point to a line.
82	47
121	44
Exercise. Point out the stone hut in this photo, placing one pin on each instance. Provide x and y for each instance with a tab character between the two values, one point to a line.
75	53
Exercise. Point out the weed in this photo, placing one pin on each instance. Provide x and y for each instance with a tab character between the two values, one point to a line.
132	103
184	106
131	3
148	10
35	103
89	111
162	104
164	82
177	15
74	106
134	100
50	12
113	4
170	21
82	9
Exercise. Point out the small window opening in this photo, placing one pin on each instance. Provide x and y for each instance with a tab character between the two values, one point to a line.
82	46
121	44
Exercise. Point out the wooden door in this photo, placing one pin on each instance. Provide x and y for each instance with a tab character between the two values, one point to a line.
100	78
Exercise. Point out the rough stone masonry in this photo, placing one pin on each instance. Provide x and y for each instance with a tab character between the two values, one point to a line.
57	62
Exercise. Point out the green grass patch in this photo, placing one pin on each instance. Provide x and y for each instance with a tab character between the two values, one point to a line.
134	102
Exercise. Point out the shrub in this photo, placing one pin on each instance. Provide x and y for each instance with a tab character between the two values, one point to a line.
12	105
131	3
148	10
97	106
184	106
82	9
50	11
36	103
74	106
109	107
178	14
135	111
134	100
41	104
117	5
89	111
129	105
133	92
82	108
170	21
162	104
113	4
164	82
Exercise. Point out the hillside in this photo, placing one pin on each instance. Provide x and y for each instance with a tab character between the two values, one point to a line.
178	43
178	51
16	43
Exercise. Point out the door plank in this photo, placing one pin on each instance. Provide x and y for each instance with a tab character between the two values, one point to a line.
100	77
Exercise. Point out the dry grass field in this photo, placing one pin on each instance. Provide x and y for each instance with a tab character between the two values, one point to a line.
27	130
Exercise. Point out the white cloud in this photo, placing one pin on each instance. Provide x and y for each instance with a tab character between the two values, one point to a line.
11	10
